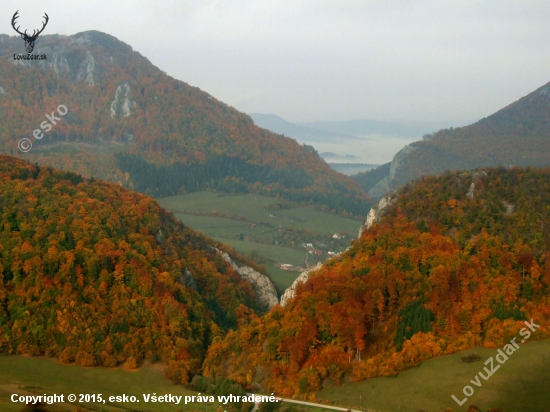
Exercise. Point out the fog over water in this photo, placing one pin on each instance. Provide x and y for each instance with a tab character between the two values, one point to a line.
372	149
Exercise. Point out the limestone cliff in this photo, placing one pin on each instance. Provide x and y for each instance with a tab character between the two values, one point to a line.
376	212
291	291
261	284
394	179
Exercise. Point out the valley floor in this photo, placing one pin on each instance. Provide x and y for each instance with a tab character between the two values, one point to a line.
251	225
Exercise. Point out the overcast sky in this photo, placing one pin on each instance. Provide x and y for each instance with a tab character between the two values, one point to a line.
427	60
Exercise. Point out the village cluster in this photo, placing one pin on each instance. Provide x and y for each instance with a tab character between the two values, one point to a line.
312	249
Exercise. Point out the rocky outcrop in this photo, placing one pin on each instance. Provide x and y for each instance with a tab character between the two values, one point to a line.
393	180
123	103
397	160
262	285
381	188
187	279
80	69
477	176
86	70
510	207
376	212
291	291
471	191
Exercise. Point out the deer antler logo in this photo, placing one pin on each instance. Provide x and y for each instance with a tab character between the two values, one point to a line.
29	40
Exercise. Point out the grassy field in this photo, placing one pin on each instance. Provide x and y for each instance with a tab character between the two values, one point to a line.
244	222
54	377
252	207
46	376
274	253
282	278
520	385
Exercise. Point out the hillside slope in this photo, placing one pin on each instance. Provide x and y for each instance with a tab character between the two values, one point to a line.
93	273
517	135
130	123
457	261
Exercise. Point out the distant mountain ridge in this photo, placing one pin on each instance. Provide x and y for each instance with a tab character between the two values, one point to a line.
279	125
322	131
517	135
130	123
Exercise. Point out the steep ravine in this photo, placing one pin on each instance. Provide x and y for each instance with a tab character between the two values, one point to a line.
262	285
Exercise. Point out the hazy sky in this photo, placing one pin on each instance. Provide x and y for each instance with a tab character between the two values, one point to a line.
305	60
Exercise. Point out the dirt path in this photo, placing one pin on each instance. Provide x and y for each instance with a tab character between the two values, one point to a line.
315	405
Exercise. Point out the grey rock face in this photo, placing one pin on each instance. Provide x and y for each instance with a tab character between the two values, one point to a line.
397	161
471	191
82	70
510	207
122	104
261	284
291	291
83	39
159	236
376	212
60	64
394	179
187	279
381	188
86	70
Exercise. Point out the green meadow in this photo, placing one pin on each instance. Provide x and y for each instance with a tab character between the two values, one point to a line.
521	384
48	376
38	376
252	227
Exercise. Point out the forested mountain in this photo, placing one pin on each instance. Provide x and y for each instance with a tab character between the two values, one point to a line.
130	123
368	179
457	261
93	273
517	135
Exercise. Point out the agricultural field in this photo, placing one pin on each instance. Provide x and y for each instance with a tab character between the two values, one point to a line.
521	384
269	230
